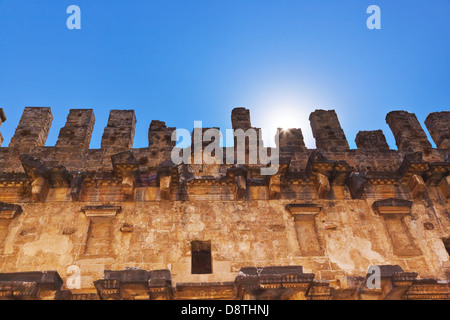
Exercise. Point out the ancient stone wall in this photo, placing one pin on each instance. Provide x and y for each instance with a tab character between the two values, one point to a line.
130	219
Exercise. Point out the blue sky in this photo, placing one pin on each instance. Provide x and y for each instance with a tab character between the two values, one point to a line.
185	60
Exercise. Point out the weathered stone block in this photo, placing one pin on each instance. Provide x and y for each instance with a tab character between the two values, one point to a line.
119	133
327	130
240	119
159	136
438	124
33	128
408	133
290	140
371	140
78	130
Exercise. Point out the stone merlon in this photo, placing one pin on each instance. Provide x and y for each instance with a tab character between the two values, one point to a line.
33	128
78	129
327	131
408	133
119	133
438	124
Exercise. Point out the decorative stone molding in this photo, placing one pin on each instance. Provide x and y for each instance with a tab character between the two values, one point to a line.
9	211
105	211
392	207
167	175
126	167
205	290
428	289
436	172
320	290
394	283
323	172
98	239
30	285
135	284
255	283
238	173
357	183
271	282
394	212
274	182
37	174
304	209
416	186
305	226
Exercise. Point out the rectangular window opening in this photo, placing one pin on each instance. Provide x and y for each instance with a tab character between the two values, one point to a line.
201	257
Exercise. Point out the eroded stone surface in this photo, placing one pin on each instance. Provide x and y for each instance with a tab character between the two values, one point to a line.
127	217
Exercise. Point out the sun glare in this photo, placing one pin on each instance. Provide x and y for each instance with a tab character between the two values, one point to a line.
283	118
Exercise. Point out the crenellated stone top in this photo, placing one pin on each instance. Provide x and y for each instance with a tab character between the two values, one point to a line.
71	164
35	124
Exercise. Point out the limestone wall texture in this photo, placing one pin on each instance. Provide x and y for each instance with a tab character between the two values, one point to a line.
127	218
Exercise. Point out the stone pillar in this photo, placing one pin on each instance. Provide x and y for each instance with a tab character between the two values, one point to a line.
240	119
119	133
159	136
408	133
248	139
78	129
438	124
327	131
371	140
33	128
290	140
2	119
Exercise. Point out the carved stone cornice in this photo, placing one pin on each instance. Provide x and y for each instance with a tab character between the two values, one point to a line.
272	281
357	183
412	164
392	207
323	172
306	209
393	282
336	171
135	284
436	173
428	290
320	290
105	211
205	290
30	285
9	211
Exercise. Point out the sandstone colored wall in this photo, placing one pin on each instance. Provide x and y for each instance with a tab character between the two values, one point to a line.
332	210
